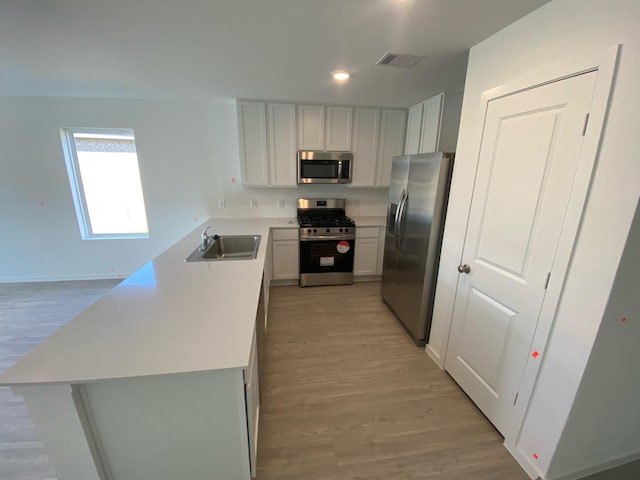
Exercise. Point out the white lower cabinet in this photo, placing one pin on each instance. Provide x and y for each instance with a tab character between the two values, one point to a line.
252	399
366	261
285	251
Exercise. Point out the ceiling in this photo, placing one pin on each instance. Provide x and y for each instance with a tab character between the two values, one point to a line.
267	49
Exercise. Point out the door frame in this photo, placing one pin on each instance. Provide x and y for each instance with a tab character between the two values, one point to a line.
604	62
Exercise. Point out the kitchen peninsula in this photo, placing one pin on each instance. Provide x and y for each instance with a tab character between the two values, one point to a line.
158	379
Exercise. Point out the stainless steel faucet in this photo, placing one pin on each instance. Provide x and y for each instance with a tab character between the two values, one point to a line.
205	239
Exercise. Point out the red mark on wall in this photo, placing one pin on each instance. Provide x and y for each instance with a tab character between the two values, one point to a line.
535	354
535	456
624	319
195	219
233	180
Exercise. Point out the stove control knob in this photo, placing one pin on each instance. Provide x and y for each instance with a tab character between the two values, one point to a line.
340	230
346	230
314	230
328	230
309	230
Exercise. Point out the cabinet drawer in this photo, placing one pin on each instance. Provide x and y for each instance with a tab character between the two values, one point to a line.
285	234
367	232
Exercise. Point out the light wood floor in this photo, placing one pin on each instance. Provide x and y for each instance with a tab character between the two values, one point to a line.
30	312
347	395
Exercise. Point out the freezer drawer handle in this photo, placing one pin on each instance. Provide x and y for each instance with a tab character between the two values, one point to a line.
464	268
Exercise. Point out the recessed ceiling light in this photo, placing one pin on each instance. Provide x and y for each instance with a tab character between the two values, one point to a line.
340	76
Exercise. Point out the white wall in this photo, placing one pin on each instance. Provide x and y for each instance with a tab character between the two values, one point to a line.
559	30
604	422
40	236
188	156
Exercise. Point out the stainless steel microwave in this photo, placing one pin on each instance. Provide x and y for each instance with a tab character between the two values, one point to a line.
324	167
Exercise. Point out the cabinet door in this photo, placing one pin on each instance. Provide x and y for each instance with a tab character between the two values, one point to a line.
391	143
430	124
366	259
252	133
285	260
310	127
414	126
252	403
365	147
282	145
338	128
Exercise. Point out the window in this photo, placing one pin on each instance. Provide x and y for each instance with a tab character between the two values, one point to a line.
105	182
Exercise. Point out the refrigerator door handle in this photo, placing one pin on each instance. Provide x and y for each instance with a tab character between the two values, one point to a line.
400	223
396	229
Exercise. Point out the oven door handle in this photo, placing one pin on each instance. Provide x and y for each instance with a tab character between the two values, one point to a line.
327	237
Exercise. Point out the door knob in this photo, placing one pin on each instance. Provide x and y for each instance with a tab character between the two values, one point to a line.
464	268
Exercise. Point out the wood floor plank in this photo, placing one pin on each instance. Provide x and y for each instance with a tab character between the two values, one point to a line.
347	395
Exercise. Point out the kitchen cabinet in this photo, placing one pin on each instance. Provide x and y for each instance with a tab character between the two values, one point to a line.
414	126
367	256
378	135
392	137
365	147
324	128
282	144
252	132
433	124
267	138
285	251
252	401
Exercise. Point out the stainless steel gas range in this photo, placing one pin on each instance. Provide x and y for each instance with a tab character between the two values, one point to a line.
327	242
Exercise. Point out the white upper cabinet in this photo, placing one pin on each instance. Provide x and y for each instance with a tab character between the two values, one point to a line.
282	144
433	124
378	135
365	146
324	128
338	128
270	134
414	127
267	137
310	127
430	124
392	132
252	130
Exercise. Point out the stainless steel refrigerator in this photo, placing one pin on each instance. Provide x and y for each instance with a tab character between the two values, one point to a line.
418	197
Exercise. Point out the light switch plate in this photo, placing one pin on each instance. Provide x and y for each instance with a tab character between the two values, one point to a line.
222	204
280	203
253	203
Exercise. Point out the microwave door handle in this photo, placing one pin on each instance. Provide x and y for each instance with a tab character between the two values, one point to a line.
339	171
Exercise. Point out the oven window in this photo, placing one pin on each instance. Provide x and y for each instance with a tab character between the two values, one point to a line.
326	256
318	169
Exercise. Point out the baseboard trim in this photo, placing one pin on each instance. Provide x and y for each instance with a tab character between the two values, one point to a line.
64	278
367	278
434	356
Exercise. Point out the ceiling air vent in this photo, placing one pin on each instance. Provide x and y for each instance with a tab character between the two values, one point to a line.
399	60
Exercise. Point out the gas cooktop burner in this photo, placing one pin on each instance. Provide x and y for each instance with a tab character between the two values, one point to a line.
322	220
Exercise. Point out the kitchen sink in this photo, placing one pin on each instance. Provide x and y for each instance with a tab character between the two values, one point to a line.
227	247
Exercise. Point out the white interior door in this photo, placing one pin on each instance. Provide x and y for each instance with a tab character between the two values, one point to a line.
528	157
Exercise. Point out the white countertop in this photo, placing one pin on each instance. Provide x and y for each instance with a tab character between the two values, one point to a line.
168	317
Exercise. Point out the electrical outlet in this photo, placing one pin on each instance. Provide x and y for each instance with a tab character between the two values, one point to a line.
280	203
222	204
253	203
